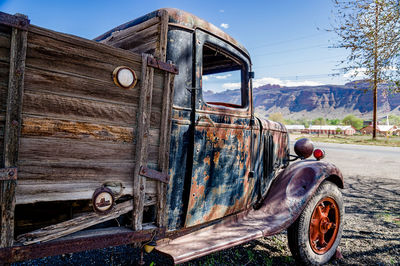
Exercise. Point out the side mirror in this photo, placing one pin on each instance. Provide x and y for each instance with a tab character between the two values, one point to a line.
304	148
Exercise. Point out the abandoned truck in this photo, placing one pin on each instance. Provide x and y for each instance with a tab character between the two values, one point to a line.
114	141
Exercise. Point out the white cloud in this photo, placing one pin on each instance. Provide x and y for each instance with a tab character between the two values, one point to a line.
222	76
221	11
288	83
224	25
358	72
206	78
231	85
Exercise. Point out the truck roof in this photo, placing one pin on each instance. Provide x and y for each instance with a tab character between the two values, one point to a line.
183	19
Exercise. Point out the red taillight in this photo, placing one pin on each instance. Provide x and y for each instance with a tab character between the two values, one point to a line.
319	154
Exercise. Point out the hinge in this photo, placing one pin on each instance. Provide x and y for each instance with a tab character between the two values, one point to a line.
252	121
153	174
169	67
251	74
8	173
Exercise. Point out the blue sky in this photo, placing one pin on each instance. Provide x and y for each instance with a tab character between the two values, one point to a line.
286	39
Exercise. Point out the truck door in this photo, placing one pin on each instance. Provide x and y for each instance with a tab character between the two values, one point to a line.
220	183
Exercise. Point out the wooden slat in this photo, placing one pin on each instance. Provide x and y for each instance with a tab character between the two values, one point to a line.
163	35
148	47
165	135
12	131
94	50
127	33
73	108
5	48
142	142
138	38
74	225
55	127
78	86
34	126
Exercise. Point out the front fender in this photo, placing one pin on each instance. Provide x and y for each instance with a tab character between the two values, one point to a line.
291	191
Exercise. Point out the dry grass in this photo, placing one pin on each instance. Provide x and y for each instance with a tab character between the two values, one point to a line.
392	141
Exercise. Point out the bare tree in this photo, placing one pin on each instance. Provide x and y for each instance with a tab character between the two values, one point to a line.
370	29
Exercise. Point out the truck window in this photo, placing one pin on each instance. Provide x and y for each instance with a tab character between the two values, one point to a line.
222	79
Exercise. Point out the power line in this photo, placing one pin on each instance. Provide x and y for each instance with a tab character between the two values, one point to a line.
294	50
297	62
288	40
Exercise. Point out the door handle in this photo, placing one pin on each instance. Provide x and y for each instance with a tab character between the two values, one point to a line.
206	117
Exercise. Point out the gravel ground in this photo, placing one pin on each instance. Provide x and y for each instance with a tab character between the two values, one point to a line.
371	236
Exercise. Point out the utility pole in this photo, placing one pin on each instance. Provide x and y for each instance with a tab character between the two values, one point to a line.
375	68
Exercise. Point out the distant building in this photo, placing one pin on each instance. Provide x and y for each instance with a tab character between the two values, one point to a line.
380	129
332	130
295	128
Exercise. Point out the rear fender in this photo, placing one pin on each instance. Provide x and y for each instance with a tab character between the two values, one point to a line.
291	191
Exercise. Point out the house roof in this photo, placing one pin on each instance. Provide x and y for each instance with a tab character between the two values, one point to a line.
295	126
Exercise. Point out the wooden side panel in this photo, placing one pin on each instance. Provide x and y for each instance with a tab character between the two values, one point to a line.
79	129
12	128
147	37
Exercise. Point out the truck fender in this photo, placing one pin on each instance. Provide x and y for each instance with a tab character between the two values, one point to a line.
291	191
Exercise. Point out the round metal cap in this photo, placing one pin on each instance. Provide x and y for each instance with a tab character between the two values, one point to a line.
304	148
103	200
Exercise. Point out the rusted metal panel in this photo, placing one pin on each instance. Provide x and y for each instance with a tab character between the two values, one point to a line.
8	173
153	174
288	196
220	178
18	22
58	247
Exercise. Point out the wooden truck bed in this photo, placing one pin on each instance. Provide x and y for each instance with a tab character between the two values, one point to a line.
78	130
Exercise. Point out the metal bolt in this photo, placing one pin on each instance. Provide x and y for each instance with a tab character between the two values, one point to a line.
142	187
11	173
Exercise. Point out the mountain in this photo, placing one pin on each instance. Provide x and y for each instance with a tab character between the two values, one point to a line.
329	101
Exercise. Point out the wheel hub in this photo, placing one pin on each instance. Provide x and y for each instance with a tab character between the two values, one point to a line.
324	225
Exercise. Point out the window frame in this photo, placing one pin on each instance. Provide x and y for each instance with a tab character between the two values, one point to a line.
206	39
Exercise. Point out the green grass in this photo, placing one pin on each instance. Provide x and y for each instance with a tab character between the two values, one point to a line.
392	141
389	218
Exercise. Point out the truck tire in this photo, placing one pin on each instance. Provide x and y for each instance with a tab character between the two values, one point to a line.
314	237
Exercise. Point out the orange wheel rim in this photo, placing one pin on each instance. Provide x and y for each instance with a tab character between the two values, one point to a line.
324	225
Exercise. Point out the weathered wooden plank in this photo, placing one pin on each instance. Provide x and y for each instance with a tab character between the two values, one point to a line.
163	35
165	135
149	46
55	149
94	50
48	56
74	225
59	150
5	48
78	86
123	34
52	127
73	108
142	142
12	130
138	38
74	188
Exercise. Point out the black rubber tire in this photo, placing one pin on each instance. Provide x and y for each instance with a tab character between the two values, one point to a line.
298	232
